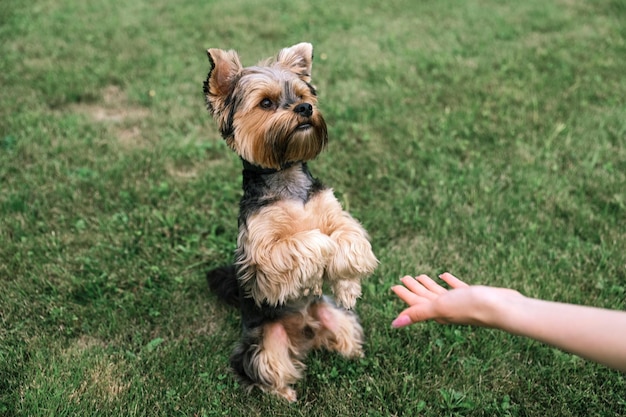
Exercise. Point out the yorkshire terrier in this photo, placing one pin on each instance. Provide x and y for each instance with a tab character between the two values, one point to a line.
294	235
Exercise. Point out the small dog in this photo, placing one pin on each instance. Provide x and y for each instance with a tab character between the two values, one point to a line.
293	234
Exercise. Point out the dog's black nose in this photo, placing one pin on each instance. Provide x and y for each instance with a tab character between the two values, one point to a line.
304	109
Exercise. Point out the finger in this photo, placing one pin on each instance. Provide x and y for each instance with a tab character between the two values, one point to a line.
415	314
417	288
452	281
405	295
401	321
431	285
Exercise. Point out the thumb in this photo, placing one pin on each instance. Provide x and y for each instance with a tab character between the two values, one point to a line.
413	314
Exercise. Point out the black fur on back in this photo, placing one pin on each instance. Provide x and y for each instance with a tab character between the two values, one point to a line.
223	283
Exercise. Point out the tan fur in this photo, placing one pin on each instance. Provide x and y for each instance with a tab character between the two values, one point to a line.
299	59
340	331
222	81
294	236
353	258
253	124
253	127
285	343
292	247
275	362
284	253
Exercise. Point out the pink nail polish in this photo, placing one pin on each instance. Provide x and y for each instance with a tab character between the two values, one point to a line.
401	321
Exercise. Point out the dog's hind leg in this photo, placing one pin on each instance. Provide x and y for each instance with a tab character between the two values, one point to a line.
265	358
339	329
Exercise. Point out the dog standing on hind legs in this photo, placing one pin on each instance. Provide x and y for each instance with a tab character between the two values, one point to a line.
294	237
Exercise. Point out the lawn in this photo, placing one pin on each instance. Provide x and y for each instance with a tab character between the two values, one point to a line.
482	137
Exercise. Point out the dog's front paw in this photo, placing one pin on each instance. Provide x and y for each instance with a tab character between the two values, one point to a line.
316	250
291	268
346	293
354	258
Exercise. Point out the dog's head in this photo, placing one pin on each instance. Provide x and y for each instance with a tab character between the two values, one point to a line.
267	113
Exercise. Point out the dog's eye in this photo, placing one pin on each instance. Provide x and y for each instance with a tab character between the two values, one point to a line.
266	103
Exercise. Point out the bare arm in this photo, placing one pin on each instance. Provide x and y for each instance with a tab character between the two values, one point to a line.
592	333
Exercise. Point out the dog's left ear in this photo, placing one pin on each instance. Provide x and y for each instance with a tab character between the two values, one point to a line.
298	59
225	67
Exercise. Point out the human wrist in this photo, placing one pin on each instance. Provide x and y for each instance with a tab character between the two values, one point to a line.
498	307
510	310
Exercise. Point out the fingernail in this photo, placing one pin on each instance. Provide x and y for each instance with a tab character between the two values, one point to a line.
401	321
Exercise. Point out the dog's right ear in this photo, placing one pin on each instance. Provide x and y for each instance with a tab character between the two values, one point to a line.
225	67
298	59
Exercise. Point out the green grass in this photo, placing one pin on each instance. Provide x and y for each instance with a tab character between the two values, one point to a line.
487	138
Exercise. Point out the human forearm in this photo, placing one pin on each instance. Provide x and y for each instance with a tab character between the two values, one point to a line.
592	333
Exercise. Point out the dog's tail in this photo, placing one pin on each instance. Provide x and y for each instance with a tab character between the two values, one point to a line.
223	283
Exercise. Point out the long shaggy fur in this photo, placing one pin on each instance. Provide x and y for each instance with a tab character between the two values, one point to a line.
294	237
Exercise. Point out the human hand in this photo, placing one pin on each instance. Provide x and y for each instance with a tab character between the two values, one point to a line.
463	304
592	333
